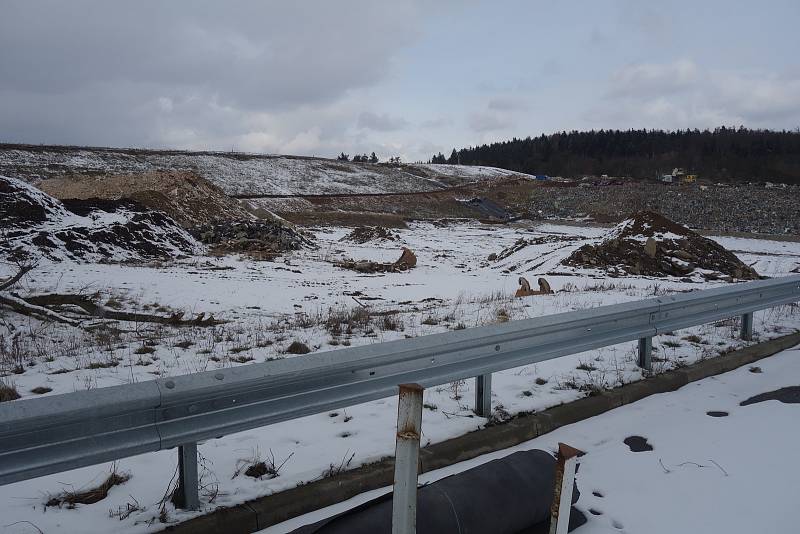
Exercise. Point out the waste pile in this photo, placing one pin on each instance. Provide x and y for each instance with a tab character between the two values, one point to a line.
259	239
365	234
649	244
407	260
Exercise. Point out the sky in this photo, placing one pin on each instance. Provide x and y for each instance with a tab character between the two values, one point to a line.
401	78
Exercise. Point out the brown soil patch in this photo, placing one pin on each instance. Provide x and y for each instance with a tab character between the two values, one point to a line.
184	196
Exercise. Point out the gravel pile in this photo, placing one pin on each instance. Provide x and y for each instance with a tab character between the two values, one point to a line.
740	208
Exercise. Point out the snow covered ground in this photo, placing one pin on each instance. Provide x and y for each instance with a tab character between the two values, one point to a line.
304	297
733	474
246	174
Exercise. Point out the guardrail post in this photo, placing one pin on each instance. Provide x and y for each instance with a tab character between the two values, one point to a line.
483	395
566	464
406	459
646	353
747	326
186	494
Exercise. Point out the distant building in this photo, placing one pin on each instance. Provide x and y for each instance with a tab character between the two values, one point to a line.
667	178
689	178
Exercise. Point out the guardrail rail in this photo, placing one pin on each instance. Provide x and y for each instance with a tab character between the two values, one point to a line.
51	434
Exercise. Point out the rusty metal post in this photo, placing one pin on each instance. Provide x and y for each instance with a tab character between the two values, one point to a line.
483	395
646	353
562	495
747	326
406	459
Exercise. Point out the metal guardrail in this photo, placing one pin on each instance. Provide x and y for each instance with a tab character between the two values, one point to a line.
52	434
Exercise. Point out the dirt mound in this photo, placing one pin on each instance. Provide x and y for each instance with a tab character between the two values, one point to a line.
365	234
650	244
184	196
36	224
259	239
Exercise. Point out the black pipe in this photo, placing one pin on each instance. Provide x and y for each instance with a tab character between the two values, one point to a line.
511	495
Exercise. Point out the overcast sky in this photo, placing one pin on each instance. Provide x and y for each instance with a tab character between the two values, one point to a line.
406	78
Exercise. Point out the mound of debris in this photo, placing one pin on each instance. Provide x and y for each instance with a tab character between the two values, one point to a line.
183	195
407	260
650	244
365	234
258	239
522	243
36	224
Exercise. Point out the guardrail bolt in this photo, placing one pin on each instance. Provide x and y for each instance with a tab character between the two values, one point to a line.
406	459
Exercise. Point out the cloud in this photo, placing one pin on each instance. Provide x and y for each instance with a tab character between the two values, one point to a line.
439	122
507	104
487	122
649	79
682	94
194	74
381	123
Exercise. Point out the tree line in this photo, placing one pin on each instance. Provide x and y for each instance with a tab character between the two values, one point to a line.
722	154
363	158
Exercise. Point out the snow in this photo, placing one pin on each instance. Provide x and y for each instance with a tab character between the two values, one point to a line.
270	304
42	225
730	475
248	174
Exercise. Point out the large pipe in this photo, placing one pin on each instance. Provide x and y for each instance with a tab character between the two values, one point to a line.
505	496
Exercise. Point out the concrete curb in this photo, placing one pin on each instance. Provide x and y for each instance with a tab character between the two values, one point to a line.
278	507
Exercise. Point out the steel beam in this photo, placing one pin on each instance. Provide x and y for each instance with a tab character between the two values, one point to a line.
483	395
646	353
747	326
186	495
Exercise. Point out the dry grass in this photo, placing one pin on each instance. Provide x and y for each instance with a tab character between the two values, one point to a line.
71	498
298	348
8	392
335	469
262	469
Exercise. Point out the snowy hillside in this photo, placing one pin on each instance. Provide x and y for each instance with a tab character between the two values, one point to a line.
243	174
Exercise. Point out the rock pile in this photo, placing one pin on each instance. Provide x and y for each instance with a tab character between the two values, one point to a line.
38	225
257	239
365	234
652	245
